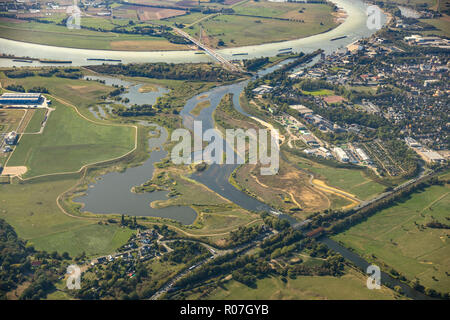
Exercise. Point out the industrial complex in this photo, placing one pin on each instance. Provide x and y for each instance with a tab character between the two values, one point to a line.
22	100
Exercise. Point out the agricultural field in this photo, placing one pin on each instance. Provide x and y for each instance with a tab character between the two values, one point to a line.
442	26
10	119
235	30
70	142
350	286
37	218
55	35
242	26
399	238
34	126
307	12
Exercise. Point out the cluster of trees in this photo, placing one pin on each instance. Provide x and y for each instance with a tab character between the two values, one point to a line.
131	222
243	235
437	225
20	88
185	71
274	222
18	73
255	64
13	259
39	90
120	279
136	111
20	262
165	231
185	252
116	92
247	269
70	73
403	156
16	87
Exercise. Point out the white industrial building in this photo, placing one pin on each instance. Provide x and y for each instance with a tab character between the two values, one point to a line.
362	155
11	138
412	143
341	155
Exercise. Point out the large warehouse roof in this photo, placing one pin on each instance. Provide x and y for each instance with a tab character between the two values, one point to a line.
21	96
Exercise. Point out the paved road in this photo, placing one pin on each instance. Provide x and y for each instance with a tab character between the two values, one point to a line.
241	249
227	64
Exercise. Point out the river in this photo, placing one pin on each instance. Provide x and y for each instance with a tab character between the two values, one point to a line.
363	264
111	193
354	28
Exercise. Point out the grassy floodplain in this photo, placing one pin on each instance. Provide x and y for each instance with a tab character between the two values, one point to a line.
394	237
35	123
31	207
254	20
69	142
32	210
55	35
352	285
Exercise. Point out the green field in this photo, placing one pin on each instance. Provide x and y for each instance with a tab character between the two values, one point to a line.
252	23
69	142
236	30
80	92
31	209
35	123
351	180
441	24
322	92
352	285
392	236
52	34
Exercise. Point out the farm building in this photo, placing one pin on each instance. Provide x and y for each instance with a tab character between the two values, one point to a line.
21	99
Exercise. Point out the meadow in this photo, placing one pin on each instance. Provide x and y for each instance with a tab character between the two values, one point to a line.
442	26
55	35
395	237
235	30
70	142
35	123
249	21
350	286
32	210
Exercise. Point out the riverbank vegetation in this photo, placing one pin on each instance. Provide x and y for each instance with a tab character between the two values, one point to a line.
287	257
179	71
